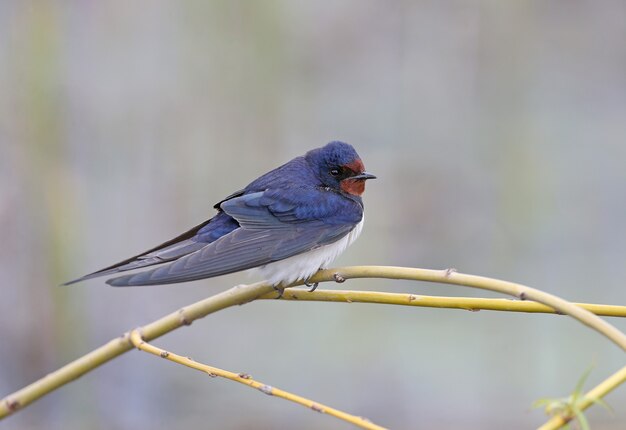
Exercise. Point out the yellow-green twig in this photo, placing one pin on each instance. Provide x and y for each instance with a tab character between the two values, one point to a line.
242	378
466	303
451	276
242	294
184	316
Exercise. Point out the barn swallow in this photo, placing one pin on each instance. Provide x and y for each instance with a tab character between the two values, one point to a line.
288	224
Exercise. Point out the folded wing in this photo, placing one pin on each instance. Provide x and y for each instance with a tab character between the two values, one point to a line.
273	226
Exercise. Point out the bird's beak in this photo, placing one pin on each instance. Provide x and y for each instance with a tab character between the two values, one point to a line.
363	176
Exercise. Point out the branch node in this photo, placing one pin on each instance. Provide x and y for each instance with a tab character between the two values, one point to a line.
164	354
183	317
136	343
449	271
244	376
317	408
212	375
267	389
412	297
338	278
522	295
12	405
125	338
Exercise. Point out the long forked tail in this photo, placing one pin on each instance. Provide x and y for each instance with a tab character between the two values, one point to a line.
171	250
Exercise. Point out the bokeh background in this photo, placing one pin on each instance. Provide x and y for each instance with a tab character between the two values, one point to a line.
497	131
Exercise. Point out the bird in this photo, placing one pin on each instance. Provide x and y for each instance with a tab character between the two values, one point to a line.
287	224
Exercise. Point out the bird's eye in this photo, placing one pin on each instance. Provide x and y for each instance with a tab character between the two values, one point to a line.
335	172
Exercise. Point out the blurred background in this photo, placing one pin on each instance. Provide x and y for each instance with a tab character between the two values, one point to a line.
497	131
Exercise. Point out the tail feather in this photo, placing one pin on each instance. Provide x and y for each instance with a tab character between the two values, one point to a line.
145	260
165	252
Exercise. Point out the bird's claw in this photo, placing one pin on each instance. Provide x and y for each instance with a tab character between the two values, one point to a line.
280	291
312	287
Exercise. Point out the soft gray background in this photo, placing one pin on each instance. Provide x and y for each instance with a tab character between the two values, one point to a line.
497	131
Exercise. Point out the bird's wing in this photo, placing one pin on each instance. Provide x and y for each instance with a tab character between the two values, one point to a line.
274	226
230	196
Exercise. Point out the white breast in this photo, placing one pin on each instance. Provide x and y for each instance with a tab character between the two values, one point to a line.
303	266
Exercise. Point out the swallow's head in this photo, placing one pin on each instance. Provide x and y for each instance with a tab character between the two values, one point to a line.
339	167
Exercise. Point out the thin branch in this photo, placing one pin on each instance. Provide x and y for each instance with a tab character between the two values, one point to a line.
451	276
245	293
472	304
185	316
243	378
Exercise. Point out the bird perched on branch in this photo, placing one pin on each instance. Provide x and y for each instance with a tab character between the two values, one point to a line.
288	224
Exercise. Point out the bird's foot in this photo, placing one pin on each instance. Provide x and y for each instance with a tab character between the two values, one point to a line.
279	290
312	287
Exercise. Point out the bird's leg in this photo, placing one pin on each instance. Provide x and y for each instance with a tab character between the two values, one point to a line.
337	277
312	287
279	290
